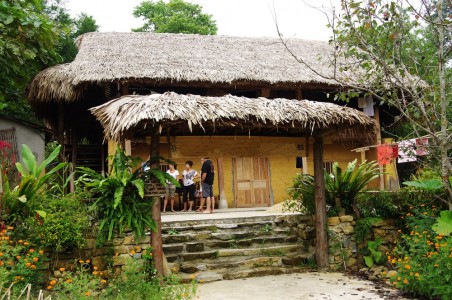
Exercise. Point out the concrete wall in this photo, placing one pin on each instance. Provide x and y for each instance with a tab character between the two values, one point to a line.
25	134
281	151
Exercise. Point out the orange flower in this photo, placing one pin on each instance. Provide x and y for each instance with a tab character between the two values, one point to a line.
103	281
31	250
68	280
62	269
417	274
87	294
49	287
87	261
35	259
1	263
95	272
81	261
405	281
94	268
41	252
21	241
28	264
53	282
33	267
408	267
25	243
132	252
18	256
1	254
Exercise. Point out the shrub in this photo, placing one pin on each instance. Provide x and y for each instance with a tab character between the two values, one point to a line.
20	262
341	188
423	258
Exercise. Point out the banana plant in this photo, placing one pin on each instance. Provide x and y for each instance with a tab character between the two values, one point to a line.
22	200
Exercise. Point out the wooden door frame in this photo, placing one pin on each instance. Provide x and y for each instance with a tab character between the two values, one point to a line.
234	180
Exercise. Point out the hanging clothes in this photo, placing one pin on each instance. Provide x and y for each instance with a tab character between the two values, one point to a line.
384	154
407	152
422	146
368	109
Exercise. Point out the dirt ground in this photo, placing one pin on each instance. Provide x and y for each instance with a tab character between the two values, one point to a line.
322	286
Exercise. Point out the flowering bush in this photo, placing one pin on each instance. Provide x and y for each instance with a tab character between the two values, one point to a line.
423	258
20	262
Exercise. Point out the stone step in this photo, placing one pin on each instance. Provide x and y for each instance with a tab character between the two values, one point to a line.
237	220
213	227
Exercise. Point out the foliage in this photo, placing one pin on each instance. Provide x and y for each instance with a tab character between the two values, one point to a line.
7	163
339	185
364	228
23	200
20	263
427	185
375	256
175	16
65	224
422	258
120	202
443	224
27	42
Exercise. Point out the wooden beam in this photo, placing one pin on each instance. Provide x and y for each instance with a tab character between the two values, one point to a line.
60	130
125	88
74	141
222	203
156	236
378	130
321	240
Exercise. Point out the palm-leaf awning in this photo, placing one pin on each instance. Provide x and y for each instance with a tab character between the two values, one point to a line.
126	115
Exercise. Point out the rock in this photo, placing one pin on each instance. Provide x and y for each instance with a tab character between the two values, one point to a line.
346	218
348	229
226	226
351	262
391	273
387	222
121	259
209	277
202	267
129	240
100	261
57	274
334	221
90	244
194	247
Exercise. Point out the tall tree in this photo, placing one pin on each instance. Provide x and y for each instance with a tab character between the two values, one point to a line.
399	52
176	16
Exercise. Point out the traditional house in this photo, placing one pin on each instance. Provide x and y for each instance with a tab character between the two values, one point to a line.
257	162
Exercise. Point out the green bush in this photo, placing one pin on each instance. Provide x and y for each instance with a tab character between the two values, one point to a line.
65	223
341	188
423	258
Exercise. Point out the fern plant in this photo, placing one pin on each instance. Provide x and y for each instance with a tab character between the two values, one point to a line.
120	201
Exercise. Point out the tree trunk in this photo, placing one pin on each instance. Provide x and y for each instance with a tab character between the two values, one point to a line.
321	239
156	236
445	163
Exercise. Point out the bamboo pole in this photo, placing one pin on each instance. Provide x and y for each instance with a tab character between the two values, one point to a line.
321	240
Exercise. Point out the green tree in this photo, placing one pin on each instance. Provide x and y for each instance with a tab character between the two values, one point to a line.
27	43
176	16
84	23
400	53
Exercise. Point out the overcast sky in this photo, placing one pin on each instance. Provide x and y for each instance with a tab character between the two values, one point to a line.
234	17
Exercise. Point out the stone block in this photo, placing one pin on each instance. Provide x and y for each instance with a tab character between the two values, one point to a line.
194	247
100	261
209	277
121	259
352	262
121	249
129	240
89	244
348	229
173	248
387	222
334	221
346	218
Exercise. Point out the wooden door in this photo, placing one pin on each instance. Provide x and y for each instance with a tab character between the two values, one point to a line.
251	181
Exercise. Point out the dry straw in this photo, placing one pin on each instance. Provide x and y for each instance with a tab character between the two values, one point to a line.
127	114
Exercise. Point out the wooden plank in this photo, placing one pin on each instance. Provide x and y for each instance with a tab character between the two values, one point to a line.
321	240
378	130
299	93
222	203
264	92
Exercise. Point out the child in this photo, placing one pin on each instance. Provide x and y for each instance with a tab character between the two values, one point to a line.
170	188
189	185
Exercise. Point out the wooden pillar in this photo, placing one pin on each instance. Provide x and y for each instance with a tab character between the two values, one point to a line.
378	130
156	236
222	203
60	130
265	92
299	94
321	239
74	142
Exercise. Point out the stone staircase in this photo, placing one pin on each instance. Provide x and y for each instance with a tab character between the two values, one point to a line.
231	248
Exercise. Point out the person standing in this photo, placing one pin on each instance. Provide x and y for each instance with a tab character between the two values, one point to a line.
189	188
207	177
170	189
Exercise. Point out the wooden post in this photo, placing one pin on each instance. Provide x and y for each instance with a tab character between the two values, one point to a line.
321	237
222	203
265	92
156	236
299	93
60	131
378	129
74	141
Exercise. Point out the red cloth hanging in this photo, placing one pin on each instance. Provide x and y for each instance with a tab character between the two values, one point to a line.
385	154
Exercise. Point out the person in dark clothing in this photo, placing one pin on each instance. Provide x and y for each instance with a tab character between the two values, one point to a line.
207	177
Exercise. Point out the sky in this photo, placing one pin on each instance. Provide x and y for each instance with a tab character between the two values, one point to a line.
253	18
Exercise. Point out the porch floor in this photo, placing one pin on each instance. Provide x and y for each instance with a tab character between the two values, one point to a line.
220	214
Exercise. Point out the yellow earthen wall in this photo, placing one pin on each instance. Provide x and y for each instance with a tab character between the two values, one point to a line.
281	151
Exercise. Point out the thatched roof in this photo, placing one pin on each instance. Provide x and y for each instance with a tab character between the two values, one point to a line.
137	56
128	114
